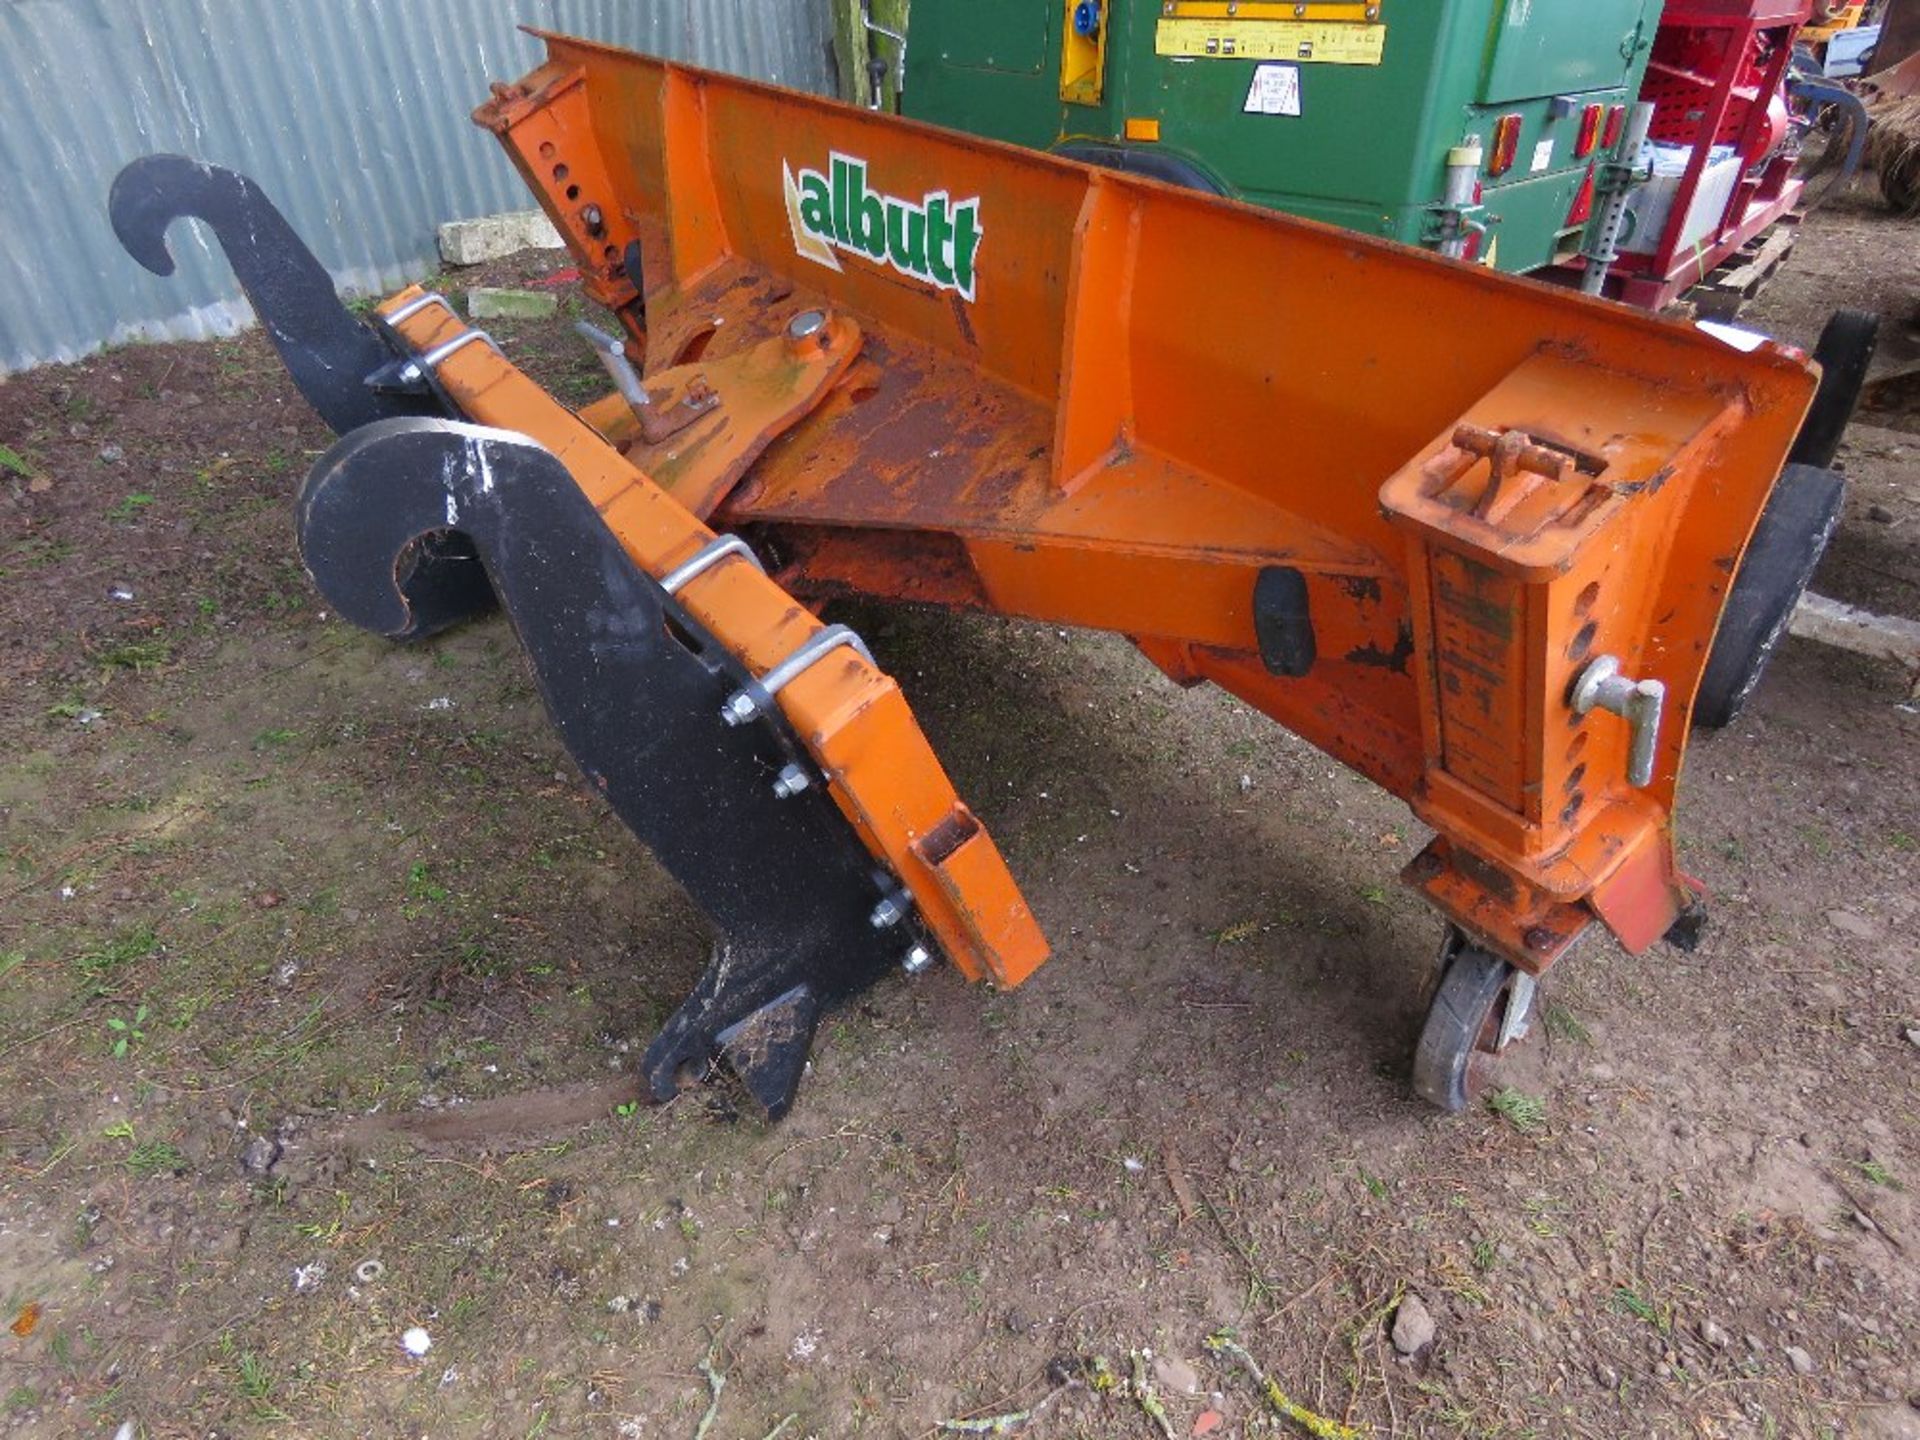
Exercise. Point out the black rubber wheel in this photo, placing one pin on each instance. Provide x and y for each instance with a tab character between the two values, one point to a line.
1148	160
1463	1026
1844	352
1800	518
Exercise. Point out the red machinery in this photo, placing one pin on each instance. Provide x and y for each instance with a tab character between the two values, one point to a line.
1717	80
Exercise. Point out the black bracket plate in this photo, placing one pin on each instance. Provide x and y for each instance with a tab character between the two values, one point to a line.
328	352
635	687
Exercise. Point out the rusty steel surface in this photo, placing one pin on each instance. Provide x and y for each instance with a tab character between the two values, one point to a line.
1095	400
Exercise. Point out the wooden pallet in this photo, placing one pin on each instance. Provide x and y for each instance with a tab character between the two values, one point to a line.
1739	277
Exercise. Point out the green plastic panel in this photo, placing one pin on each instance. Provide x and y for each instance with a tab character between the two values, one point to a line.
1550	47
1367	147
1017	37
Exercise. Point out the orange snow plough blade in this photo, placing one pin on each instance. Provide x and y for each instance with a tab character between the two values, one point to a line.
1468	534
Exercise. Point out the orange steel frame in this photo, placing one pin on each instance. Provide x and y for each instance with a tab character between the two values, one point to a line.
1151	397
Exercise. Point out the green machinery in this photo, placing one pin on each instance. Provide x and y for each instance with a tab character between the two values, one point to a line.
1478	127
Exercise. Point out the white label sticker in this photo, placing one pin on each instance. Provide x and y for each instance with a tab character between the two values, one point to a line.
1542	157
1275	90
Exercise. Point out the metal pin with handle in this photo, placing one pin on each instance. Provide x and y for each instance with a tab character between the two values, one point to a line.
1601	686
657	422
612	353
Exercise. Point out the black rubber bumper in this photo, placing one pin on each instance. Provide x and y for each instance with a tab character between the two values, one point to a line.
1787	544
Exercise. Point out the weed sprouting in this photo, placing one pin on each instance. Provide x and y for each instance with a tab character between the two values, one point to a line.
138	656
1563	1024
1877	1173
99	969
1630	1302
126	1031
156	1157
1526	1113
128	507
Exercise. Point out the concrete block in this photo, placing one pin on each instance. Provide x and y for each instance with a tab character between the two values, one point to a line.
483	304
468	242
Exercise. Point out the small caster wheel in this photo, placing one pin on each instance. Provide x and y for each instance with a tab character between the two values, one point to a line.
1478	1010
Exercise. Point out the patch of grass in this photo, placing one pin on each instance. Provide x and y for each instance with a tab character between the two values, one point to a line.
99	969
1376	1187
1628	1301
1526	1113
22	1397
1563	1024
156	1157
422	886
1484	1255
1877	1173
274	739
10	961
138	656
327	1231
12	460
254	1380
128	507
37	551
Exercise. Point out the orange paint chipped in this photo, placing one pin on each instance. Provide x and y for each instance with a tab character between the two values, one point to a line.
25	1323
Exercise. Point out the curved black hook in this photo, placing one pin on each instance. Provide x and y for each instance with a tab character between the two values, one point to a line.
638	702
326	350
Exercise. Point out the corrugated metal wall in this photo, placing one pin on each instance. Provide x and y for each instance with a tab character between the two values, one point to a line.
351	113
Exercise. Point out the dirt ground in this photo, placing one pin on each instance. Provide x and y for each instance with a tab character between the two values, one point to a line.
322	978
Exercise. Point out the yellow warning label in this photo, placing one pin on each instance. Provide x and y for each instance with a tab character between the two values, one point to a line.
1306	41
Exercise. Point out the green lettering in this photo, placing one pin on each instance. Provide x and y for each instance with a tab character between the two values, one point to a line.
907	239
866	216
939	240
816	204
840	199
966	241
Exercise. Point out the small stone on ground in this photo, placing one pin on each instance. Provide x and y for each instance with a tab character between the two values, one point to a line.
261	1154
1413	1327
1176	1375
488	304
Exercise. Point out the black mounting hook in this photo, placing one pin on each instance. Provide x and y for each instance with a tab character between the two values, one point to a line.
635	686
326	350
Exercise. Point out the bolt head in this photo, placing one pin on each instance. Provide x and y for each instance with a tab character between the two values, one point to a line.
807	322
739	708
888	912
790	782
917	960
1539	937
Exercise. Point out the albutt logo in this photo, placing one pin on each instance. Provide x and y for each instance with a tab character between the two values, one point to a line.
935	240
